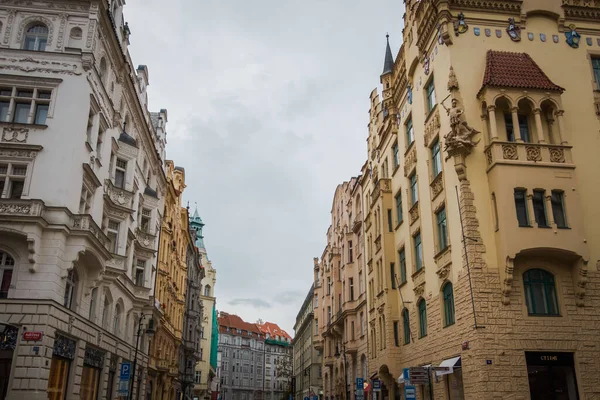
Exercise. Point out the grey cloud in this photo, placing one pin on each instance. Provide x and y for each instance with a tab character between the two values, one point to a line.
258	303
267	105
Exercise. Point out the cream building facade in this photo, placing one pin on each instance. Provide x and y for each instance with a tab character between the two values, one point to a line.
481	172
340	296
81	164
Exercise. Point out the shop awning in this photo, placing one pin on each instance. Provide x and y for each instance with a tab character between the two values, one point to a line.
450	363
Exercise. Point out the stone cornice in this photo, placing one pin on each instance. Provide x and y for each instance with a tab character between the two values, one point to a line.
504	6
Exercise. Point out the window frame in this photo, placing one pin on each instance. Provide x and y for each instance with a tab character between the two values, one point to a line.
409	132
122	170
523	192
595	61
547	281
140	265
399	216
395	155
8	178
69	298
39	38
402	260
414	189
436	159
559	201
41	96
430	96
6	265
406	326
442	229
113	231
393	274
418	249
537	203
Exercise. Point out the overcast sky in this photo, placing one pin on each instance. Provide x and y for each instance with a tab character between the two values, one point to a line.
268	110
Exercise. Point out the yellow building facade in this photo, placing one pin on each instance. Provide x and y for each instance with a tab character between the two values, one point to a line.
340	298
481	171
166	353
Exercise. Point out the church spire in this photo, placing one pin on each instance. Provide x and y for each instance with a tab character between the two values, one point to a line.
197	225
388	63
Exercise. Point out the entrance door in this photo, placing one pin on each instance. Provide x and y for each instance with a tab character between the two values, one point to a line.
551	376
8	342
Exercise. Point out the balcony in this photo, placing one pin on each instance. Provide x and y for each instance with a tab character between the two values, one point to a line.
146	239
382	185
528	154
357	223
85	223
162	365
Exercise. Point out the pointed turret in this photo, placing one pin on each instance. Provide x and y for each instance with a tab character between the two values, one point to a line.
197	225
388	63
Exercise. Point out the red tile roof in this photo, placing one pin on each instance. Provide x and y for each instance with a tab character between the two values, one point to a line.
515	70
235	322
274	330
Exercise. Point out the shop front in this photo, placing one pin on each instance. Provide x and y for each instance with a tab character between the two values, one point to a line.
551	375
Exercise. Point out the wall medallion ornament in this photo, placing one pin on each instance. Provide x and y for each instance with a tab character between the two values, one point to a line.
498	33
555	38
488	32
426	64
12	134
476	31
573	37
530	36
588	41
543	37
460	25
513	30
409	94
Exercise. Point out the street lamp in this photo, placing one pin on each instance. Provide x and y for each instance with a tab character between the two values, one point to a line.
150	333
337	355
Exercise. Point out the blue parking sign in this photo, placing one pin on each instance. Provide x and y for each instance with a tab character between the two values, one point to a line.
410	392
125	371
360	383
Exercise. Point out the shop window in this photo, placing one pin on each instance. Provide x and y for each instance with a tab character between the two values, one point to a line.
521	207
62	356
552	375
7	264
558	208
448	304
93	363
422	305
539	208
540	292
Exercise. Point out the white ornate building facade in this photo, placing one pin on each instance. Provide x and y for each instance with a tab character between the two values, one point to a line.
82	179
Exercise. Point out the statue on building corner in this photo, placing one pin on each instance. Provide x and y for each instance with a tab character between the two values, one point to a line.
460	138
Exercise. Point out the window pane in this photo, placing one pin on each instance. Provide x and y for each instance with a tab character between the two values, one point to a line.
413	189
539	208
5	91
399	207
436	158
406	322
4	105
402	266
6	276
16	189
521	207
41	112
120	179
20	170
558	210
418	252
524	128
442	229
24	93
510	132
57	382
410	137
42	94
22	112
393	274
29	43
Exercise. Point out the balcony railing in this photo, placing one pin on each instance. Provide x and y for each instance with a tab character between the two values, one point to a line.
146	239
538	154
85	222
118	196
382	185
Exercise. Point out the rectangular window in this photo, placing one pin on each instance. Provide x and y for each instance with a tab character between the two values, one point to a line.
539	208
521	207
393	274
361	283
328	285
436	159
389	215
399	207
410	133
558	208
120	171
140	271
29	106
396	154
402	257
350	255
523	127
112	233
396	334
596	67
442	229
414	190
430	90
418	252
351	287
363	324
12	180
85	201
145	220
316	326
316	300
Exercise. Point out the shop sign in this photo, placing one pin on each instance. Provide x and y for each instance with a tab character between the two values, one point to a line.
33	336
549	358
410	392
419	376
376	385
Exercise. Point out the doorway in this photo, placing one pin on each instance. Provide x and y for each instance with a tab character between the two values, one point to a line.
551	376
8	343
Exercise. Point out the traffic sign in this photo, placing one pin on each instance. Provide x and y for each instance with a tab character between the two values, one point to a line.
376	385
410	392
360	383
125	371
123	388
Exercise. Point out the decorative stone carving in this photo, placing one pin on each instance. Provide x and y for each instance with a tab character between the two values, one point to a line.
410	160
85	223
93	357
90	33
432	128
534	153
14	134
61	31
31	250
54	67
557	155
488	156
419	289
513	30
9	25
443	271
64	347
509	152
36	18
573	37
118	196
581	282
437	185
452	80
460	25
414	213
460	139
509	270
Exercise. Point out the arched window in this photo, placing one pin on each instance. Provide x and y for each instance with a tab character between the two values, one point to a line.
36	37
7	264
406	326
207	290
117	320
448	304
540	292
422	318
70	287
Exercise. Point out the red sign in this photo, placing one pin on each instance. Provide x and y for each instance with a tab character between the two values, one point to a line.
33	336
